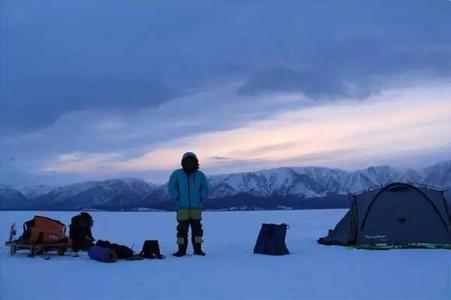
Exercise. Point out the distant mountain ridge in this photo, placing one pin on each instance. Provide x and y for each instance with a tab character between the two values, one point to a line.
284	187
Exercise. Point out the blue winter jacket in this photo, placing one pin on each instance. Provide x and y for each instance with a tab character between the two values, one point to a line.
188	190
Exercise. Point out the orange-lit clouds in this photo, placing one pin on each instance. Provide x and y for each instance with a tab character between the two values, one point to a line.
393	121
389	123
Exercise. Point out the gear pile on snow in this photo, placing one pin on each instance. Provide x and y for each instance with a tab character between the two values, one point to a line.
42	230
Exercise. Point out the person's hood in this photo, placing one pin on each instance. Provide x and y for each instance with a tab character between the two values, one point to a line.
186	154
185	167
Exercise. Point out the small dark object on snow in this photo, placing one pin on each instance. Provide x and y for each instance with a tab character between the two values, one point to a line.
271	239
151	249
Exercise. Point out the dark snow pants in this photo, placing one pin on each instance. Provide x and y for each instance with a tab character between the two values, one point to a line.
196	231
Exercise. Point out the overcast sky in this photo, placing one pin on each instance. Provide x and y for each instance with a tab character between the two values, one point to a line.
99	89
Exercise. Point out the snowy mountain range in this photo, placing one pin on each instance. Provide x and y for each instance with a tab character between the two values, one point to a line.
285	187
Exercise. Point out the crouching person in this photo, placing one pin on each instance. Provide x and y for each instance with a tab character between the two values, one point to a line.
80	232
188	186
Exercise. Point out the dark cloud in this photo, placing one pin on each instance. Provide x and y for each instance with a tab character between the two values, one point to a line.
350	76
314	84
61	56
38	101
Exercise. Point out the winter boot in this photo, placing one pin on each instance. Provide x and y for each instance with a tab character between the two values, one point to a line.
182	249
198	249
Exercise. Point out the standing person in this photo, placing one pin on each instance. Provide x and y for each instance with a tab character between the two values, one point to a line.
188	186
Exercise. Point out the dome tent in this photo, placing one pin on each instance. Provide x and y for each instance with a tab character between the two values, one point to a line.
396	215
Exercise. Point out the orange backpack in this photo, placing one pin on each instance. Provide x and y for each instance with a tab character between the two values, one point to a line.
43	230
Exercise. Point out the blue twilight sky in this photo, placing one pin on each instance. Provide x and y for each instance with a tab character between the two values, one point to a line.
97	89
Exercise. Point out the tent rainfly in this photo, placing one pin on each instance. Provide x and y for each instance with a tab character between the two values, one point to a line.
396	215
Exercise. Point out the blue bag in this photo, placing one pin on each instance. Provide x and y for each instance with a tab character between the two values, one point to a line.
102	254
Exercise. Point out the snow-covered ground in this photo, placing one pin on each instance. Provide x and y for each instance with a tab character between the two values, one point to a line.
230	270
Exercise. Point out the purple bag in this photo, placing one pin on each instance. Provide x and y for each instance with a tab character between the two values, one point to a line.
102	254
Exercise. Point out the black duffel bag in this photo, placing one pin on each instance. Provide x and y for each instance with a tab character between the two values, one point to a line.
122	252
151	249
271	240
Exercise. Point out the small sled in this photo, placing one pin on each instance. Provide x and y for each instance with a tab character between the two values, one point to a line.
35	248
61	248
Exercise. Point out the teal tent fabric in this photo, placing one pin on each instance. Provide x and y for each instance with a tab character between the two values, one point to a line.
396	215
